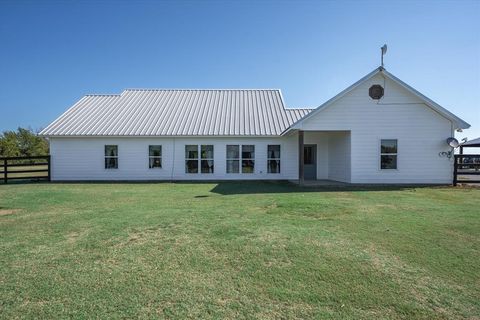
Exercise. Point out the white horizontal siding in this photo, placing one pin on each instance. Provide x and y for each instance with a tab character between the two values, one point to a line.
339	156
421	134
83	158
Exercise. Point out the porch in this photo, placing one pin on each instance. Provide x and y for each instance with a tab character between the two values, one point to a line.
324	157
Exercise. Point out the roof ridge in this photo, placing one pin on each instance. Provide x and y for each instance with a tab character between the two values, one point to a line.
204	89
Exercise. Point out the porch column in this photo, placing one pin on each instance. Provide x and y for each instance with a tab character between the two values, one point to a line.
300	157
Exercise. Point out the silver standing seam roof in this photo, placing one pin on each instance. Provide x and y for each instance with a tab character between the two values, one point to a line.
174	112
471	143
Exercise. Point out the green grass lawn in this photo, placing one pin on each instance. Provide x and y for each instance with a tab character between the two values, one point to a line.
238	250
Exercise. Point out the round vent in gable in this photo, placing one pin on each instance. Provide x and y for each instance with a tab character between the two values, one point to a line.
375	92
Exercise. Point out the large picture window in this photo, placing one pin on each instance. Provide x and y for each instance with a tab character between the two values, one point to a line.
248	158
233	159
388	154
154	157
273	158
195	159
111	157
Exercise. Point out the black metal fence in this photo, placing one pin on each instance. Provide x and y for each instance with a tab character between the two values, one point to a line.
466	168
25	168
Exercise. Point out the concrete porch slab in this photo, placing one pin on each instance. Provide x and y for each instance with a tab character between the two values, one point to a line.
321	183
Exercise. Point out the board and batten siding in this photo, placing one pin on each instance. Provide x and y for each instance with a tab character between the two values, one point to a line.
421	133
83	158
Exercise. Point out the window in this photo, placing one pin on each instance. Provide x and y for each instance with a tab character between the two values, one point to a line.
388	154
193	161
154	157
233	159
308	156
207	158
248	158
273	158
111	157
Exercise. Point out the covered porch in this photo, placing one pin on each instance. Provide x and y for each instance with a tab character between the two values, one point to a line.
324	157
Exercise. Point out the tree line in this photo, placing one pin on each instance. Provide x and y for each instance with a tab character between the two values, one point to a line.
22	143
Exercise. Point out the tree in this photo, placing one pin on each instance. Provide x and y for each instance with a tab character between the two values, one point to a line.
23	142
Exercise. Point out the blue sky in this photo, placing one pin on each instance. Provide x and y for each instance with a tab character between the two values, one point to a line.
54	52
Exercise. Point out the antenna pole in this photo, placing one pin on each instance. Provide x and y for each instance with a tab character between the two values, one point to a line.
381	52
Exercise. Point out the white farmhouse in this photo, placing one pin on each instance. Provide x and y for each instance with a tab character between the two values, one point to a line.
379	130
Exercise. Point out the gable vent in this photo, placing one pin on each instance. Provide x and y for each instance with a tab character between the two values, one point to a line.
376	92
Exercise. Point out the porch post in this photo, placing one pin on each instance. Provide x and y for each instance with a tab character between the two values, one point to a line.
300	158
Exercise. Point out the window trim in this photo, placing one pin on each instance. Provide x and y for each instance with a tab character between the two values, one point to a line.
105	157
279	159
387	154
153	157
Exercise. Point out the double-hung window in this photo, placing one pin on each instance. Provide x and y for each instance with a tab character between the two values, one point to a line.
154	157
273	158
244	159
191	159
388	154
206	155
233	159
195	159
111	157
248	158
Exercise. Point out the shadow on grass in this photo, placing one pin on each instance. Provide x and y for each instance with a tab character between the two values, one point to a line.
248	187
259	187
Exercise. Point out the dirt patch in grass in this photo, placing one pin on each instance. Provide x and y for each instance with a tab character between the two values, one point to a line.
6	212
74	236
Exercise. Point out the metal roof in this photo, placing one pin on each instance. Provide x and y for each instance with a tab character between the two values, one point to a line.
178	112
471	143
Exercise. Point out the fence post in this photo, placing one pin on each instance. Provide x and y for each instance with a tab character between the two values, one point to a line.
49	168
455	157
5	169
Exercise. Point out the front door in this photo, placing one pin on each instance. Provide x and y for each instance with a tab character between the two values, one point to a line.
310	161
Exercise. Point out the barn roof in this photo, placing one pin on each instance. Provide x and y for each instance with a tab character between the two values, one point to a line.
172	112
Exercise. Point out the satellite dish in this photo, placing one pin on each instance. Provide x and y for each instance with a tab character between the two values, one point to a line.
452	142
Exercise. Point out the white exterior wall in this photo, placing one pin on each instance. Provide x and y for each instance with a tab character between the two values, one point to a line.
339	156
83	158
421	134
